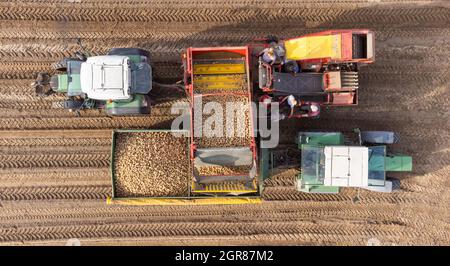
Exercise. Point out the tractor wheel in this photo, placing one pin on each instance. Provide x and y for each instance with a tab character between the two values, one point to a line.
73	104
62	64
271	39
129	51
379	137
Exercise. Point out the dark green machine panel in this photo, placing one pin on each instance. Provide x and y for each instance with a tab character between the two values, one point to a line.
140	105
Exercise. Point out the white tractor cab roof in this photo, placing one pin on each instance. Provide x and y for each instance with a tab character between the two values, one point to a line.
106	77
346	166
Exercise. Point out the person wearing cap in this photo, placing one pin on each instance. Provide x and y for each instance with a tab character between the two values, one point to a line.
268	55
274	54
291	102
314	108
288	103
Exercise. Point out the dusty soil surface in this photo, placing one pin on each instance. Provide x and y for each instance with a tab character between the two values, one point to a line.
54	174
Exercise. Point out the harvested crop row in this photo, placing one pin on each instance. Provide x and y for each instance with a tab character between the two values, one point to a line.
224	122
206	84
221	170
151	164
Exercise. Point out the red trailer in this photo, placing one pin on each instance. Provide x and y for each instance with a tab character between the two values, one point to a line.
225	164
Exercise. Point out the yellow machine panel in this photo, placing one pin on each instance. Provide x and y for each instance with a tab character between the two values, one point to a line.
211	82
226	187
313	47
196	201
212	69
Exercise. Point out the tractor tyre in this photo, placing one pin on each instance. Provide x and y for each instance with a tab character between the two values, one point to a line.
62	64
73	104
271	39
130	51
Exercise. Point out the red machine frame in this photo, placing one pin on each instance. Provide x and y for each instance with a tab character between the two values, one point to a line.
187	58
346	47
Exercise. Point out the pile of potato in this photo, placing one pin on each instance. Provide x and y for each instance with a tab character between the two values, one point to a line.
221	170
151	164
239	82
240	119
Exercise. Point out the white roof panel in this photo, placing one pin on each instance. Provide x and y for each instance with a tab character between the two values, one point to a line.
106	77
346	166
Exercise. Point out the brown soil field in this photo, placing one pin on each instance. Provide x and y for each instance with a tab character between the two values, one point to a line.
54	166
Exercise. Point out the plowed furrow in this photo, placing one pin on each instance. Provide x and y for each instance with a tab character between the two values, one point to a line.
213	4
21	89
348	214
86	123
30	105
255	15
23	70
46	142
54	160
54	192
47	176
284	181
290	193
175	31
200	229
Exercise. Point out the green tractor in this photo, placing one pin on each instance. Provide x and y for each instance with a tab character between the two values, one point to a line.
118	82
330	161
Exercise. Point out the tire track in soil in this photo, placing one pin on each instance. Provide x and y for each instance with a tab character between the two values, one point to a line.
54	192
358	214
158	122
277	209
213	4
373	15
175	32
54	177
54	150
248	229
54	160
48	142
290	193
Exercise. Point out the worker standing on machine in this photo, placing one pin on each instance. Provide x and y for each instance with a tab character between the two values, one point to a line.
288	104
268	55
274	54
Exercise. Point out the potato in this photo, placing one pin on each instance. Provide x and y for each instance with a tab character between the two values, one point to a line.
151	164
233	123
